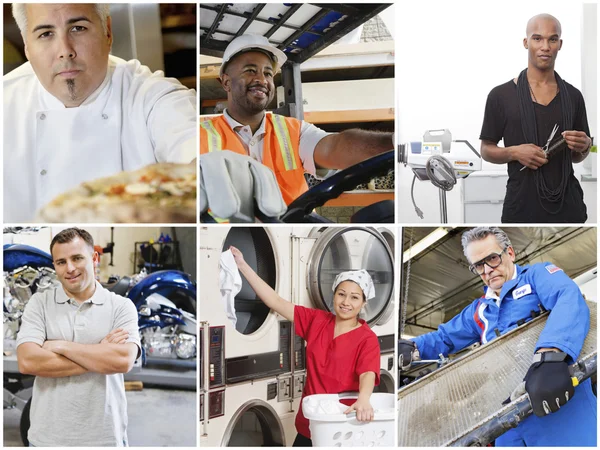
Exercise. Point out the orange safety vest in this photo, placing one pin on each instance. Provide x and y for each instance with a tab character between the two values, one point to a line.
281	145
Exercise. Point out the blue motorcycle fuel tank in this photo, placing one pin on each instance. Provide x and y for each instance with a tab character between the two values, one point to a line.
163	282
19	255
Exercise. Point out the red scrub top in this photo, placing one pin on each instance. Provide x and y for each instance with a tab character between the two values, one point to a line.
333	365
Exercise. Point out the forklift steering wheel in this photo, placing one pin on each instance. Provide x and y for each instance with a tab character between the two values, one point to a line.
336	185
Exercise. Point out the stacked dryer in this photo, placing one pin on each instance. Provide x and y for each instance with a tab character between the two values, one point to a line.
251	381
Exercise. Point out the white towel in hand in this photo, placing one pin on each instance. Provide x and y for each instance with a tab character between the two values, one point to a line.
230	284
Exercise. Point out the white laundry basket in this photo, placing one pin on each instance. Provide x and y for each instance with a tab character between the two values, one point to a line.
330	427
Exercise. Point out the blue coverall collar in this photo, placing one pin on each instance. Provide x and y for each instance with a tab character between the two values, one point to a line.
507	287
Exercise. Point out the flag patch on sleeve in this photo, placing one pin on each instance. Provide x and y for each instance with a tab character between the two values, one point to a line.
551	268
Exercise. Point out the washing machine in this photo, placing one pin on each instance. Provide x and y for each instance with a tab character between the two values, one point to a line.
252	372
320	253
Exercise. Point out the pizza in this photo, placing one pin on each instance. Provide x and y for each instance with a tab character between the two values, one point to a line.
158	193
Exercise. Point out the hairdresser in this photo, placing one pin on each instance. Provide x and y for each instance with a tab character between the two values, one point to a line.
523	112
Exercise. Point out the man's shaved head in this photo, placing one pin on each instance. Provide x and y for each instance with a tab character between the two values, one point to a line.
534	22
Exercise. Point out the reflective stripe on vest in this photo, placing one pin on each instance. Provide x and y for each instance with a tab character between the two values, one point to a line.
214	138
285	142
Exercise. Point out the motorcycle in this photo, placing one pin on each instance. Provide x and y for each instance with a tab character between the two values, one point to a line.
27	270
165	301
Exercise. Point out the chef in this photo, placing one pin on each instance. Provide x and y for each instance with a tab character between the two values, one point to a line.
75	113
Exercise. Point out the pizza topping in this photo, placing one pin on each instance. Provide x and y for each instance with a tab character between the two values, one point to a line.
117	189
140	189
173	188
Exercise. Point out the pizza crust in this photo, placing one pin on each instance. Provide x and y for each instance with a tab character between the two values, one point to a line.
158	193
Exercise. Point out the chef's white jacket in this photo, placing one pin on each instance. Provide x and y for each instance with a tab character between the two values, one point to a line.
134	118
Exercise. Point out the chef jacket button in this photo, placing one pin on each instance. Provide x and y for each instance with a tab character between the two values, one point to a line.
104	116
252	142
42	116
43	172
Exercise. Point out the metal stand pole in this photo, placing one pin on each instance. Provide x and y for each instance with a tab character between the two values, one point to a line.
443	208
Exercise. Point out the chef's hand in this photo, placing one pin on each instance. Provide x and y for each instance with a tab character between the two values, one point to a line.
407	351
549	384
577	141
116	336
364	410
230	183
237	255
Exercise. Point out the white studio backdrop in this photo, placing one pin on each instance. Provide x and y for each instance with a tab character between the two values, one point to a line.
448	62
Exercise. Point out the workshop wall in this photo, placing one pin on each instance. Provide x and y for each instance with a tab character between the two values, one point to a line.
187	246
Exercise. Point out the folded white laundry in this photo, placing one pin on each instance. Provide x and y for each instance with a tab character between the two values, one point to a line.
324	406
331	407
230	284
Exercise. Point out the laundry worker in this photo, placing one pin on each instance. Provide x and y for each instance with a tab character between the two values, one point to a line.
74	113
287	146
342	352
78	340
512	292
523	112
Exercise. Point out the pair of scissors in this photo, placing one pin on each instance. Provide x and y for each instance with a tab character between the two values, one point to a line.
546	147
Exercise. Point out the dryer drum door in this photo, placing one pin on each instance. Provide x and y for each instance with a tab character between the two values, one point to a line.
258	252
254	424
342	249
386	383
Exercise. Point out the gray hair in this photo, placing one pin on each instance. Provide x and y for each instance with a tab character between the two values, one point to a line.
479	233
19	13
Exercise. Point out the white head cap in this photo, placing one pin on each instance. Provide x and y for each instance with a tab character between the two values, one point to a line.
360	277
248	42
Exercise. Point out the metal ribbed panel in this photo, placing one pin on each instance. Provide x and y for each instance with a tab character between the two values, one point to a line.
443	405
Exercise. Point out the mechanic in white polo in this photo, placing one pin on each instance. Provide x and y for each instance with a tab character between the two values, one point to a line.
74	113
78	339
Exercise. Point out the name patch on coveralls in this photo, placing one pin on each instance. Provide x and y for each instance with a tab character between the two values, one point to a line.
522	291
553	269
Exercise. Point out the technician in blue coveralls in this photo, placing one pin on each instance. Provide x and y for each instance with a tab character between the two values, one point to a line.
512	292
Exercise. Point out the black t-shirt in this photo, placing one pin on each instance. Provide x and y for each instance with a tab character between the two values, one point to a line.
502	120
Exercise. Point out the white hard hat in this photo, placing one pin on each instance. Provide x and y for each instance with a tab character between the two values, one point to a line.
247	42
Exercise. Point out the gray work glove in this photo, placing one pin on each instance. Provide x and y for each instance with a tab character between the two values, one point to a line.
230	182
407	353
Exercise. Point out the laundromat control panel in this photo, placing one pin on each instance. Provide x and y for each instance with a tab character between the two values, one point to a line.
298	384
216	404
299	353
285	389
262	365
216	356
386	343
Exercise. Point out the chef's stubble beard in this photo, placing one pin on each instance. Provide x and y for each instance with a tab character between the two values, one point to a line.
71	88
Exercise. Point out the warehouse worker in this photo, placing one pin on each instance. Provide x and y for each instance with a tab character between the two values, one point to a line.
286	146
564	416
74	113
78	340
342	352
523	112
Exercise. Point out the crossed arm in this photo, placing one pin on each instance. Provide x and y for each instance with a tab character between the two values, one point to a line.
56	359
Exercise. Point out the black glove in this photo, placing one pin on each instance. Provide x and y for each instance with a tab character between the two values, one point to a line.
406	348
548	383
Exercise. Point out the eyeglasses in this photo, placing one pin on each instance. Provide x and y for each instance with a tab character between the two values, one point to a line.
492	261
